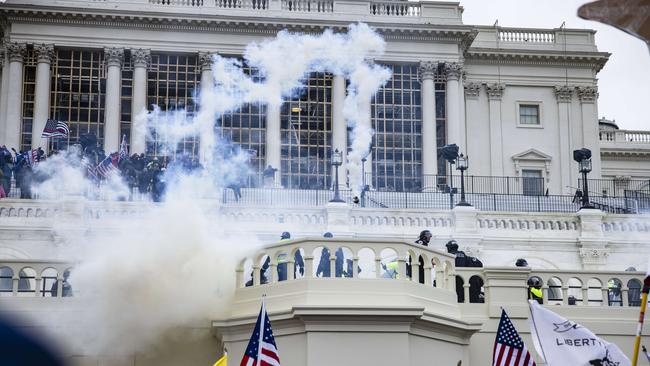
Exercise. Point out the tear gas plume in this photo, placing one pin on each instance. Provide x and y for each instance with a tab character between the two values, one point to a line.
174	263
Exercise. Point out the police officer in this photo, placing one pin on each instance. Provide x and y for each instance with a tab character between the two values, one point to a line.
423	239
535	290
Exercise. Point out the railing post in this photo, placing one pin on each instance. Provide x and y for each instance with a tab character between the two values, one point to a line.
332	265
565	294
37	287
401	265
355	265
291	269
605	296
415	270
585	296
239	277
466	292
273	272
427	274
256	275
14	288
309	266
377	267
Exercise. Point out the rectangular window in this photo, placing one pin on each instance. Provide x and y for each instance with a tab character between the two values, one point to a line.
533	182
529	114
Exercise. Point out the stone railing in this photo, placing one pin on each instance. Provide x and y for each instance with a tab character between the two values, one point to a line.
625	136
25	278
395	9
526	35
189	3
541	221
559	287
348	258
308	6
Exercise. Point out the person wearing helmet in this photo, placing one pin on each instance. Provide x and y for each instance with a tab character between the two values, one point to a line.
285	236
521	262
423	239
535	290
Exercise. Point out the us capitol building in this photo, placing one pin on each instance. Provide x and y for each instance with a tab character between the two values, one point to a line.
517	101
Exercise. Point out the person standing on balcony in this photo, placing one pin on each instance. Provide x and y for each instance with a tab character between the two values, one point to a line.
423	239
66	289
269	176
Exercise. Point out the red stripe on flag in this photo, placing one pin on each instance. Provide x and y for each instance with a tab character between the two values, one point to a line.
518	358
500	357
270	353
510	351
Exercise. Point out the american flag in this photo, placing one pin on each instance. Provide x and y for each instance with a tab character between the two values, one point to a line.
54	128
509	349
89	169
108	166
124	150
261	350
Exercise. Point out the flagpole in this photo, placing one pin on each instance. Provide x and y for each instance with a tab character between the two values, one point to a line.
262	322
639	328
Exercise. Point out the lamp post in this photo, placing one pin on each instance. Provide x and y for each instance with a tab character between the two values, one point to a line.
450	153
462	166
337	160
583	158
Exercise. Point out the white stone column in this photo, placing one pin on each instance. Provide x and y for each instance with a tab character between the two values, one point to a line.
454	71
339	127
495	92
564	95
588	97
274	141
140	59
429	143
3	95
207	83
44	54
113	58
16	54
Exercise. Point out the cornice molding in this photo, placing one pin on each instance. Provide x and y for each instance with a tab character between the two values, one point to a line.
44	52
462	34
140	57
427	70
594	60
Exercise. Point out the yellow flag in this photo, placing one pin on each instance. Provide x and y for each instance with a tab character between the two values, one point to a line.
223	361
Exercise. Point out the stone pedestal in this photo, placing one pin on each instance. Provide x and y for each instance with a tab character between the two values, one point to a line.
338	217
591	243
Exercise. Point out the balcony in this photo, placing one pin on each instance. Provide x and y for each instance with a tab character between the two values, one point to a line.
349	296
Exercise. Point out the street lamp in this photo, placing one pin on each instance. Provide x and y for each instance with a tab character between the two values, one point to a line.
450	153
462	166
337	160
583	158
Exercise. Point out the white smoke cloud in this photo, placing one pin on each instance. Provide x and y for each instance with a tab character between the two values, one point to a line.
174	264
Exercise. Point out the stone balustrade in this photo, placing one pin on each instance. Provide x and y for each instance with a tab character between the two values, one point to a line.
32	278
625	136
526	35
395	9
357	258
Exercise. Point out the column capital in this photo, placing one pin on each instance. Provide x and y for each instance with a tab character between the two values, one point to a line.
472	90
454	70
495	90
114	56
588	94
205	60
563	94
140	57
16	51
44	52
427	69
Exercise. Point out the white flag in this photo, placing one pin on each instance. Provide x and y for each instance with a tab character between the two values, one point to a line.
562	342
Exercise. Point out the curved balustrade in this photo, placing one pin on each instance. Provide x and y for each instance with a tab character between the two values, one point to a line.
521	222
357	258
32	277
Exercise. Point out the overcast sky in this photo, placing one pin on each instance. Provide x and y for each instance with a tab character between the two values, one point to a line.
624	82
